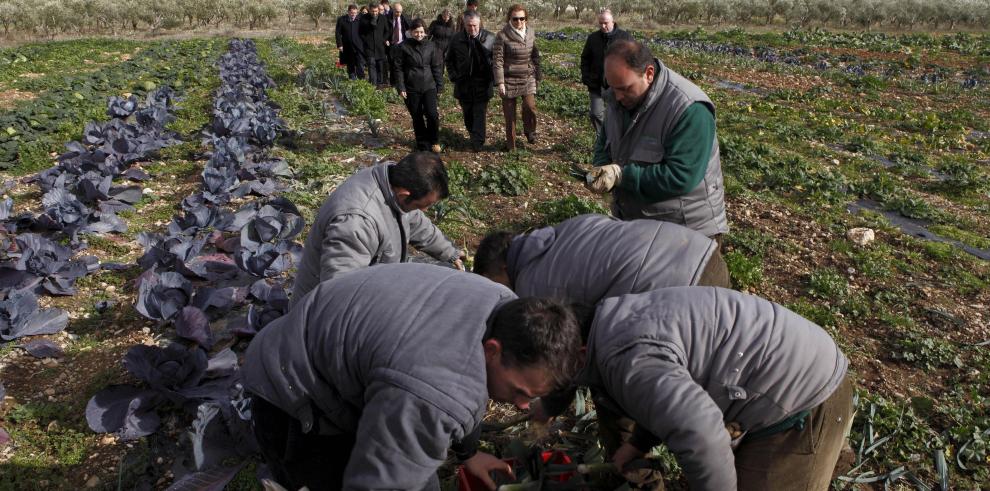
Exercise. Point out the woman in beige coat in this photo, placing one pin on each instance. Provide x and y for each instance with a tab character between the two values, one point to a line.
516	63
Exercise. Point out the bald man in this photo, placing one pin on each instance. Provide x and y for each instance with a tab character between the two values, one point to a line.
593	64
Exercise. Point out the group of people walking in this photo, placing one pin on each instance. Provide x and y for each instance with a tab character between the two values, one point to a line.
407	55
380	370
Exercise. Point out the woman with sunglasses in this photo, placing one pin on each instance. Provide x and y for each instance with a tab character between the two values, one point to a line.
516	62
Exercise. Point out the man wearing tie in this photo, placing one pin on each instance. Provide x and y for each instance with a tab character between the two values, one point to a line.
397	26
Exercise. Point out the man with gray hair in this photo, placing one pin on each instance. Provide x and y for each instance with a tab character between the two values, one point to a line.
469	66
593	64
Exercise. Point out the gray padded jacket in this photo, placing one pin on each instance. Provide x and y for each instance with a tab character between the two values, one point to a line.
683	362
361	224
391	354
703	208
591	257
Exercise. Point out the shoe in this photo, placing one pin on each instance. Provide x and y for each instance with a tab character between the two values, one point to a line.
475	147
531	139
435	148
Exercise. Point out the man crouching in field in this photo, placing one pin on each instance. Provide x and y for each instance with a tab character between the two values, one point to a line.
373	217
372	375
745	393
590	257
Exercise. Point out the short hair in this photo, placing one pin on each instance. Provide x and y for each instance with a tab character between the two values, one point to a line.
512	9
636	55
352	7
417	23
492	253
372	5
471	14
420	173
383	2
471	3
539	332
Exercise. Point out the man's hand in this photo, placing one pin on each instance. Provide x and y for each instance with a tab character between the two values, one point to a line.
387	43
341	49
624	455
482	463
538	413
459	264
603	179
403	94
501	90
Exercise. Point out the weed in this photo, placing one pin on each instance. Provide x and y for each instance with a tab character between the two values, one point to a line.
829	285
814	312
926	351
746	271
570	206
510	179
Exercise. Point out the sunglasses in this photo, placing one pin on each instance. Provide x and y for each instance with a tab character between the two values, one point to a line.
519	19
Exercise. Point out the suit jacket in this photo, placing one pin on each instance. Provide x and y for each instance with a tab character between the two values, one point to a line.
373	35
404	21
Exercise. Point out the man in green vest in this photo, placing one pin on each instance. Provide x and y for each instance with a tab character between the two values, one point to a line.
657	152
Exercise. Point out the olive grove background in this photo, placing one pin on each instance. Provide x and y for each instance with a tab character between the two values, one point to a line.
31	19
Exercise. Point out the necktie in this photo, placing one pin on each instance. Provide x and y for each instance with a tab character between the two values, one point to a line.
397	31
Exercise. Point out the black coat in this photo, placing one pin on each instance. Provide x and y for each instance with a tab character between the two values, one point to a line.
347	36
469	66
404	22
440	33
418	67
593	57
373	35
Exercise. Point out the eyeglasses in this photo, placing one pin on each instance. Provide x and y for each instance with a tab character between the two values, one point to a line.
519	19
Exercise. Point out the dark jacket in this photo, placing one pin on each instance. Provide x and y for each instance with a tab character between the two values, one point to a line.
418	67
684	362
390	355
440	33
373	35
590	257
347	35
404	22
361	225
469	66
593	57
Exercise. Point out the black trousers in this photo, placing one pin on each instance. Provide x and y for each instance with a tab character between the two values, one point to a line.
299	459
475	114
376	71
355	68
422	107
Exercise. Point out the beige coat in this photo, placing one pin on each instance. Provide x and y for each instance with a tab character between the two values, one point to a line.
516	62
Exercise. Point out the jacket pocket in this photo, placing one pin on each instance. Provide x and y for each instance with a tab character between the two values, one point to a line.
647	151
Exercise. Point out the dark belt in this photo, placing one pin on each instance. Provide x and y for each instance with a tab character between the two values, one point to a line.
797	420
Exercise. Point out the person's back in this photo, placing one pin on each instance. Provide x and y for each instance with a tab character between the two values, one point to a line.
687	363
393	340
590	257
363	222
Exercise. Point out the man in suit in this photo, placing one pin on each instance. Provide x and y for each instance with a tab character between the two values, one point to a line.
398	24
349	44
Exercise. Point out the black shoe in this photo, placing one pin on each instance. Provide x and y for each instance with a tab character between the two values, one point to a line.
531	139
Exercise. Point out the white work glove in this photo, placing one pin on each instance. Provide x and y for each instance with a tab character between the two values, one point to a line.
603	179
